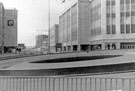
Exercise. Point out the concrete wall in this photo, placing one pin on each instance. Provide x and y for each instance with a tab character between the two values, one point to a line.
1	26
10	27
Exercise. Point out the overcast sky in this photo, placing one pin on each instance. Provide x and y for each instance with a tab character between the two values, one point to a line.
33	15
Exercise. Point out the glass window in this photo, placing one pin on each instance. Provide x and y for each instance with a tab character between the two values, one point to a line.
108	29
127	1
113	29
122	14
108	2
132	1
121	1
113	2
128	28
113	15
133	28
122	26
108	15
127	14
132	13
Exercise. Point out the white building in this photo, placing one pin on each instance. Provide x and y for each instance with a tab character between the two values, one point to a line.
113	24
74	25
54	38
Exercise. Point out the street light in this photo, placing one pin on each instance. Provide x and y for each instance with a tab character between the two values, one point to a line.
49	26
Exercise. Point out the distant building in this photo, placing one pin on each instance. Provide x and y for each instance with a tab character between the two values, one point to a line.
21	46
54	38
74	24
42	42
10	29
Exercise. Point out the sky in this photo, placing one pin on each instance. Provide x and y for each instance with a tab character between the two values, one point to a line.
33	17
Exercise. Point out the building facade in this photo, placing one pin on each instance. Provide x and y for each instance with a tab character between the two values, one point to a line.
10	29
40	39
113	24
1	28
54	38
74	25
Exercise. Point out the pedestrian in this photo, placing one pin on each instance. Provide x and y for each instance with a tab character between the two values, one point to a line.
88	49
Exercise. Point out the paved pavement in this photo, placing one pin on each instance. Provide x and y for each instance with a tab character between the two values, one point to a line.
24	63
22	66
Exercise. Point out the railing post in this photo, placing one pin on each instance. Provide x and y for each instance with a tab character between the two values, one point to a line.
123	84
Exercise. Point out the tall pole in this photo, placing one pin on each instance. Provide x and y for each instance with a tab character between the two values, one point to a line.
49	26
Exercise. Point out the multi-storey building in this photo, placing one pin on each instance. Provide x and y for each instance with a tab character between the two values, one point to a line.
54	38
10	29
74	25
40	40
1	28
113	24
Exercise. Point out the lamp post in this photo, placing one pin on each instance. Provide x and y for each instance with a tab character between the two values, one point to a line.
49	26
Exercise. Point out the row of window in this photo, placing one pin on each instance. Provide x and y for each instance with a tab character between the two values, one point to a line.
111	29
122	14
126	1
96	16
96	31
109	15
128	7
110	2
125	28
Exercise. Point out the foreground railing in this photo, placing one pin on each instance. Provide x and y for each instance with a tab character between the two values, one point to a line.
66	84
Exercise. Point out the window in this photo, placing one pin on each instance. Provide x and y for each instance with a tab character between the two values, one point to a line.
113	29
133	28
108	29
108	15
132	13
122	26
113	2
132	1
127	14
127	1
121	1
122	14
128	28
108	3
113	15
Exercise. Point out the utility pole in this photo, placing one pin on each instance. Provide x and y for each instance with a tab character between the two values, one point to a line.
49	26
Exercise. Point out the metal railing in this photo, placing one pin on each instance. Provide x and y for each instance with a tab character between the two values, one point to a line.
66	84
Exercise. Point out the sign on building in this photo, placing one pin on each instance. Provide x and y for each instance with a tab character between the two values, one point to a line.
10	22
